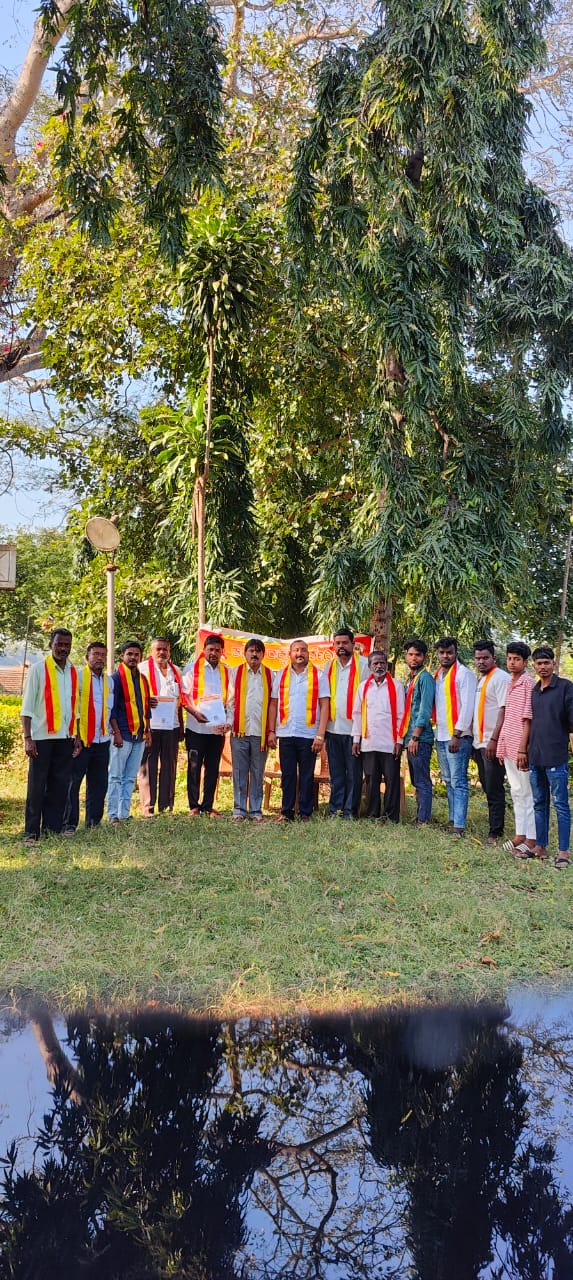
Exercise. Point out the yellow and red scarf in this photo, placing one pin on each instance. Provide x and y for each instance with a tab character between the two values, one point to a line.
481	703
353	682
311	695
239	718
52	698
131	708
393	711
451	696
153	679
198	689
87	708
405	721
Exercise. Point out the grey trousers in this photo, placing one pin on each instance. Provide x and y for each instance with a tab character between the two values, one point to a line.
248	775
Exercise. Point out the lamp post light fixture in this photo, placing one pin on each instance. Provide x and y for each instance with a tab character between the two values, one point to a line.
104	536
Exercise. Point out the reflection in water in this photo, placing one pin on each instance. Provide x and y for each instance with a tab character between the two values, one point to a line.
392	1145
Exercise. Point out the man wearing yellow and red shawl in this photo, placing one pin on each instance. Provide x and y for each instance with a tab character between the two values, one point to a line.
158	770
346	671
130	733
378	711
298	715
415	731
455	695
49	713
94	709
206	689
248	713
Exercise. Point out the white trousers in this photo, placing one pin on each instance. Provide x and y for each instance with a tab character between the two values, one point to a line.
521	798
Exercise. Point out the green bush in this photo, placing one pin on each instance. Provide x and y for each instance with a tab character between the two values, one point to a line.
9	727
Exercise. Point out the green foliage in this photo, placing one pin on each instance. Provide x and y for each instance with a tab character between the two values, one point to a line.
44	576
410	200
9	727
152	77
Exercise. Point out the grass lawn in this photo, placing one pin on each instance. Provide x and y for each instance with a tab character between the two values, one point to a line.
229	918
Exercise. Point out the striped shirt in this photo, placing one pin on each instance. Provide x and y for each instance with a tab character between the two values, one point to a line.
517	709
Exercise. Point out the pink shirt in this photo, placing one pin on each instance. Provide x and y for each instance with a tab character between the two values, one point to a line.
517	709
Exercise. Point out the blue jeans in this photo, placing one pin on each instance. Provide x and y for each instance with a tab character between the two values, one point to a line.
545	783
124	763
248	775
419	766
454	771
345	775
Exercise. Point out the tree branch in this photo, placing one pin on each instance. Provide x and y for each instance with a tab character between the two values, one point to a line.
21	100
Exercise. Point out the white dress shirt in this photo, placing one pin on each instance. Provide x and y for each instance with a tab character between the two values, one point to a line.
495	696
295	726
167	687
34	702
343	723
465	689
253	703
213	704
97	694
378	715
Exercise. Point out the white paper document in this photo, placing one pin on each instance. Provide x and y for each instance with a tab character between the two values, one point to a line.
164	715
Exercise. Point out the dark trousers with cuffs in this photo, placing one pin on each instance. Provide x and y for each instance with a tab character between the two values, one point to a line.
297	760
93	765
492	778
345	775
380	765
159	762
48	782
204	751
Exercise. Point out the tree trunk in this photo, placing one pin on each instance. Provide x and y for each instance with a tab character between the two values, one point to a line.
564	592
200	514
201	490
381	625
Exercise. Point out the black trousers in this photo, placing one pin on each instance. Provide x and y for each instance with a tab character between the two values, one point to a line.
159	760
48	782
204	751
91	764
345	775
492	778
297	760
380	765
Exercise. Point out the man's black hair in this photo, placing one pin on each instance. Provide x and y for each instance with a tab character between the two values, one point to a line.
344	631
255	643
446	642
544	651
519	647
377	653
131	644
59	631
419	645
488	645
213	638
96	644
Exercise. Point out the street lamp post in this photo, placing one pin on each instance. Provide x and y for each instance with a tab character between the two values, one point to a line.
104	536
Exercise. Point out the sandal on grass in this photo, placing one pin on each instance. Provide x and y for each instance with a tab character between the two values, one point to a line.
520	851
510	846
560	862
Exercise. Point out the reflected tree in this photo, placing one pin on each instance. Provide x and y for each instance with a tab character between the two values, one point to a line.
390	1145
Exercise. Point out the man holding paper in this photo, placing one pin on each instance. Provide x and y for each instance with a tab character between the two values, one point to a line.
206	690
158	768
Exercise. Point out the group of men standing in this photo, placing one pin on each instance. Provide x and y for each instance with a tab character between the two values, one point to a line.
112	730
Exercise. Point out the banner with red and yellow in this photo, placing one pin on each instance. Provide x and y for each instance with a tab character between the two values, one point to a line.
320	648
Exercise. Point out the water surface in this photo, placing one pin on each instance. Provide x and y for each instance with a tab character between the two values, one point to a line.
429	1144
